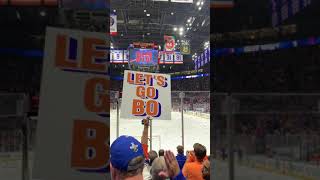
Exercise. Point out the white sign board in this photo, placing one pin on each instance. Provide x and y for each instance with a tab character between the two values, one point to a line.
73	126
146	94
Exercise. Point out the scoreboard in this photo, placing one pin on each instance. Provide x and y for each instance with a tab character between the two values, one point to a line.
118	56
143	57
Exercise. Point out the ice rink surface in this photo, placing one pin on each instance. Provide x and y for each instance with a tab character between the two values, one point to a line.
167	134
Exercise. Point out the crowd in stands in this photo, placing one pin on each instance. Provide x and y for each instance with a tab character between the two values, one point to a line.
286	70
20	75
290	136
130	159
192	84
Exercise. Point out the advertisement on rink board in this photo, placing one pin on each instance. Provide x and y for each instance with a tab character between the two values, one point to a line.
73	127
146	94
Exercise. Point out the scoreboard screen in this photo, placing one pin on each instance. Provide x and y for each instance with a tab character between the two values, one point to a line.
143	57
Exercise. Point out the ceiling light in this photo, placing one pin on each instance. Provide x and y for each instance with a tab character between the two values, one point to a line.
189	20
43	13
114	10
199	8
148	14
201	3
188	28
180	33
145	10
148	33
18	15
198	3
172	13
175	29
181	29
204	21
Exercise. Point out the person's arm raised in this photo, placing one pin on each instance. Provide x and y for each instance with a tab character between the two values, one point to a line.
145	133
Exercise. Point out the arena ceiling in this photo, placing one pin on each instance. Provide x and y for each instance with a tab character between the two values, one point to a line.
27	24
149	21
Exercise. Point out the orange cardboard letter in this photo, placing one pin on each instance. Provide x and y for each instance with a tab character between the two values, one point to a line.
89	148
96	98
89	53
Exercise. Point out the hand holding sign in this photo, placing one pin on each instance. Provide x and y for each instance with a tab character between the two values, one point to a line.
146	121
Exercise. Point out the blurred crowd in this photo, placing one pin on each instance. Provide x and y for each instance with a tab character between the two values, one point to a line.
192	84
287	70
131	159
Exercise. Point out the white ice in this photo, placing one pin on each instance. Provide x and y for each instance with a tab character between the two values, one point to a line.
167	134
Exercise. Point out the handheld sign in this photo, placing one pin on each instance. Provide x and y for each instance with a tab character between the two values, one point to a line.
146	94
73	127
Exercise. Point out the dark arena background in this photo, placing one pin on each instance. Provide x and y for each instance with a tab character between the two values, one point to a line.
266	91
22	39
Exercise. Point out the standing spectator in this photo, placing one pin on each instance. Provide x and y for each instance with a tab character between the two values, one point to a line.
181	158
192	169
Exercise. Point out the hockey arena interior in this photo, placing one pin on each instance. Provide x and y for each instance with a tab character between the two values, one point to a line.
140	25
247	69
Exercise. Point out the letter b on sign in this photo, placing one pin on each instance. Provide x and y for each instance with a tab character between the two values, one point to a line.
149	108
89	148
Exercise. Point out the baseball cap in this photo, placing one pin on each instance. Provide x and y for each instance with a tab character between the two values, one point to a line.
123	150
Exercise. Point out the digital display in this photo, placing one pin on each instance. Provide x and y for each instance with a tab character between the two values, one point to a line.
145	57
